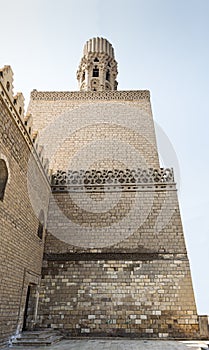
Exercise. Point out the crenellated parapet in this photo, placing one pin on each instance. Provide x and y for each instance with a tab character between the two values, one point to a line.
28	121
6	79
18	101
15	105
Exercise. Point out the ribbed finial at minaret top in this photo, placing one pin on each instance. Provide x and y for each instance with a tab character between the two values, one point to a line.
98	69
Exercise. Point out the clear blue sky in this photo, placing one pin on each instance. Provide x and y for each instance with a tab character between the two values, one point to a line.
160	45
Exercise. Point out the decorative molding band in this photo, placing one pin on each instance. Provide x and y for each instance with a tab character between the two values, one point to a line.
113	180
124	256
91	95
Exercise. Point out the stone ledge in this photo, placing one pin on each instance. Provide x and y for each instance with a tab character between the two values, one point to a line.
113	256
113	180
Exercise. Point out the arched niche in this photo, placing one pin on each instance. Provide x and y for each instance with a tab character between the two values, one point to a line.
41	224
3	178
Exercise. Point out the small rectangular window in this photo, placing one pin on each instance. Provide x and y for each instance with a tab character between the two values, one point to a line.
95	72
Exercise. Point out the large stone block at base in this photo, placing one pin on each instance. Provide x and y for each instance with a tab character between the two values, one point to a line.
143	298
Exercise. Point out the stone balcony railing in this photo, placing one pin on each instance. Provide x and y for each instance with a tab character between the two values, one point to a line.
129	179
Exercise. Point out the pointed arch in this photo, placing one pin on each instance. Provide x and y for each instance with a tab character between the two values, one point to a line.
3	178
95	71
41	224
108	75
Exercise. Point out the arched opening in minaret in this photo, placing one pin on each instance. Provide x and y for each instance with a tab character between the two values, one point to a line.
95	72
108	75
83	76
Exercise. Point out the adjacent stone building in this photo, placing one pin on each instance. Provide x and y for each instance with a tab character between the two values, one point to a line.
22	229
114	259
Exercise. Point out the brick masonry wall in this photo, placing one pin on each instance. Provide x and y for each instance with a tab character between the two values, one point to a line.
105	129
21	249
140	284
127	221
115	261
151	298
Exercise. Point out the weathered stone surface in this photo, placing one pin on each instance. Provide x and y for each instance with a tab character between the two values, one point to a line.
115	261
21	249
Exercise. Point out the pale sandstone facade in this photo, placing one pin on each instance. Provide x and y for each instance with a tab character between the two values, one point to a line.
21	249
115	260
68	122
140	285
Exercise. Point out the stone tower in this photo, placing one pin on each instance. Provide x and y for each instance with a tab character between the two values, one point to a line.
115	259
98	69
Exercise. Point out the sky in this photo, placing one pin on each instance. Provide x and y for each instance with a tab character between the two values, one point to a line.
160	45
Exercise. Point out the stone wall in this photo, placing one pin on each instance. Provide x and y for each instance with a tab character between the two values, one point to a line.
148	298
142	220
95	129
21	249
115	259
120	271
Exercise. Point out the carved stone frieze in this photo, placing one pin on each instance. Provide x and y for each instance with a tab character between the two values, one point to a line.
88	179
91	95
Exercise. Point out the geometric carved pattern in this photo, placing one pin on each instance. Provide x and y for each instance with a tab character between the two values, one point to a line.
115	177
97	61
92	95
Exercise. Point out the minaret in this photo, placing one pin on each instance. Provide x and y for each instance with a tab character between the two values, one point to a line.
98	68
